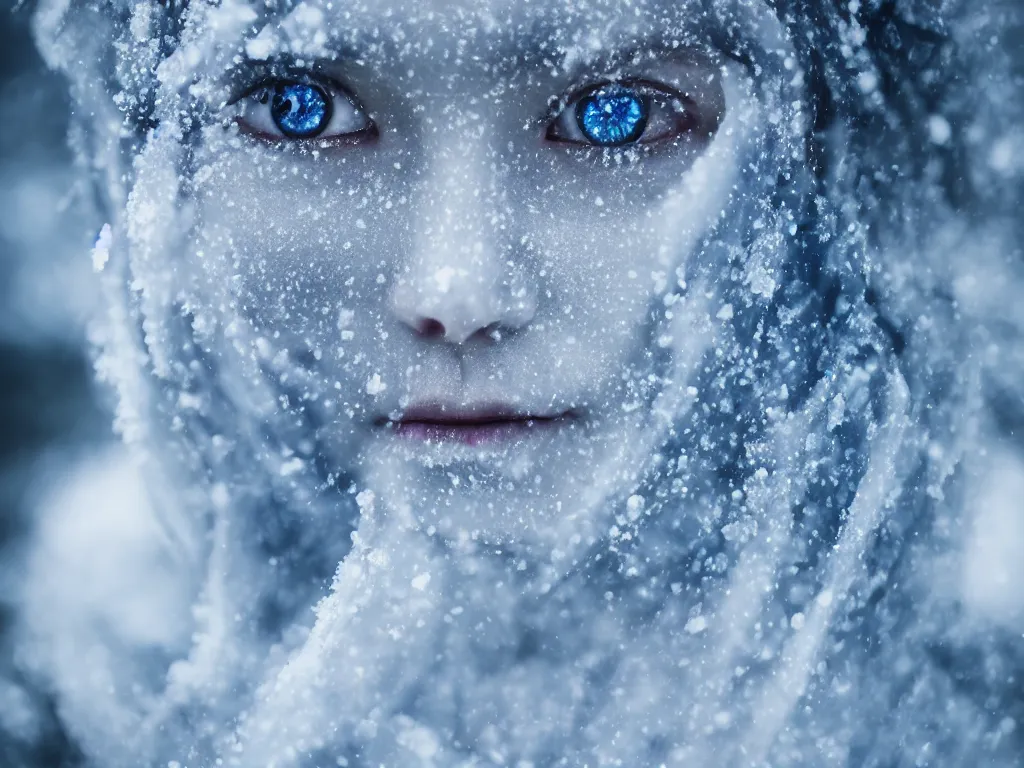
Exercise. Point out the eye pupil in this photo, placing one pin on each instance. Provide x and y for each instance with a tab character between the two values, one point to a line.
612	116
300	110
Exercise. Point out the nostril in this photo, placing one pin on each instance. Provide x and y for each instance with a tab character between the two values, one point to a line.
430	328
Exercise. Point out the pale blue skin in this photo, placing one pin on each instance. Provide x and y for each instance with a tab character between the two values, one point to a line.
463	258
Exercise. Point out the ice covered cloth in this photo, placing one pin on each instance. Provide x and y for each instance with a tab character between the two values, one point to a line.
814	565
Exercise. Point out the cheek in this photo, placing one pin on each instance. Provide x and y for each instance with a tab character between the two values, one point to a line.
310	247
612	241
310	244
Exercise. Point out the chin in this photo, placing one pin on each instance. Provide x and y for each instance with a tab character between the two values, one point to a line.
542	495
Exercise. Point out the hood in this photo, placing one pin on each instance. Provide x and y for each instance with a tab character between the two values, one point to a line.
790	574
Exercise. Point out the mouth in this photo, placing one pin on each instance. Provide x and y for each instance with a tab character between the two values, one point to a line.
472	426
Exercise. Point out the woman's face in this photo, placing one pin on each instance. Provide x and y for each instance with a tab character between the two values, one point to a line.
471	222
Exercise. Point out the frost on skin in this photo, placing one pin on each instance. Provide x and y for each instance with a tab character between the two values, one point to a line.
467	441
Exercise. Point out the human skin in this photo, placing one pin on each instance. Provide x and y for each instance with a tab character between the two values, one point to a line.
461	264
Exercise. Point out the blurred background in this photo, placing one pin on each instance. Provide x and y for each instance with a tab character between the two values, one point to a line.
47	403
49	411
49	414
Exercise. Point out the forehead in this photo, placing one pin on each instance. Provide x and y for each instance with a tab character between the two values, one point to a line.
496	26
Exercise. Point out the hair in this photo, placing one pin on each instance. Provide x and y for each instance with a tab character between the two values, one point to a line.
819	491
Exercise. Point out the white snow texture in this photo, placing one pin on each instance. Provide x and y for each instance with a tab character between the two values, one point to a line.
776	516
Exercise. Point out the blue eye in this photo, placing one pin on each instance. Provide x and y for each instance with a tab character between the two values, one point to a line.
297	110
300	110
612	116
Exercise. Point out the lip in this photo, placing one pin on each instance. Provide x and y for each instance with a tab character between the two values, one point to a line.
471	425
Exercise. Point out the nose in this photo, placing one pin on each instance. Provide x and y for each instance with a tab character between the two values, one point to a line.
462	278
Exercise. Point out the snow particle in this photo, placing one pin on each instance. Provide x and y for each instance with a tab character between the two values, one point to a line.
101	251
696	625
939	130
419	583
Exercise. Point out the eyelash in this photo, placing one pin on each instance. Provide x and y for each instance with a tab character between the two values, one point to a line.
609	114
